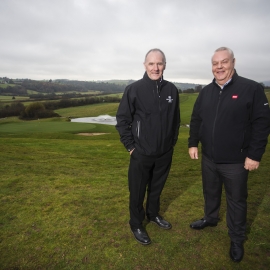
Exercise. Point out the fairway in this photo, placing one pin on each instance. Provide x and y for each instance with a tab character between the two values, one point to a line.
64	202
89	110
39	126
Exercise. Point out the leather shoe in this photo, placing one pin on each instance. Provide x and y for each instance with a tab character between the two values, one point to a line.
201	224
236	251
161	222
141	235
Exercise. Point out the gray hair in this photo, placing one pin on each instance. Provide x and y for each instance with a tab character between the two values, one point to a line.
156	50
225	49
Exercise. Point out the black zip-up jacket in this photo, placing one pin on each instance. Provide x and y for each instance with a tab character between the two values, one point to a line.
233	123
148	117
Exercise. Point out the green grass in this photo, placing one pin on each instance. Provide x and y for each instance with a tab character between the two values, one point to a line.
10	98
32	92
5	85
64	203
88	92
89	110
186	106
44	126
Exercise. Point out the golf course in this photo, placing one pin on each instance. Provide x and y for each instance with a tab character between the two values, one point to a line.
64	201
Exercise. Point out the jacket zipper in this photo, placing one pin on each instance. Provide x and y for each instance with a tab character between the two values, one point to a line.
159	107
244	135
138	129
158	93
214	125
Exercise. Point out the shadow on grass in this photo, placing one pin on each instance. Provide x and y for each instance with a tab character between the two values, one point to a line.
178	183
257	189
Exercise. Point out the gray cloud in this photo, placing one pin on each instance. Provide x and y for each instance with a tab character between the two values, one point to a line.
107	39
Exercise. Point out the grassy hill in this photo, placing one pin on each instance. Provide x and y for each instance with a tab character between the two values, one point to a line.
64	202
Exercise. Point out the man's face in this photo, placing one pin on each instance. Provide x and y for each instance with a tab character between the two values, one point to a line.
154	65
222	66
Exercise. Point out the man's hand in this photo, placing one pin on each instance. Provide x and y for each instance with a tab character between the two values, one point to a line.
131	151
193	152
251	165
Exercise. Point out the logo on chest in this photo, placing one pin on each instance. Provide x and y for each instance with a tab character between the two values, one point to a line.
170	100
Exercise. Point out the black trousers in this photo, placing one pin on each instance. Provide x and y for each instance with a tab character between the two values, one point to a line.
149	172
234	177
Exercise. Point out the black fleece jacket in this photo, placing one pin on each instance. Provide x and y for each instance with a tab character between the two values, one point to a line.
233	123
148	117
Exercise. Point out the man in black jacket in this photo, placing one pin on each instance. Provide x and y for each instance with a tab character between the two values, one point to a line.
231	119
148	121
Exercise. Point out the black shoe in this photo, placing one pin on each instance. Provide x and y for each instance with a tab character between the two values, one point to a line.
162	223
201	224
141	235
236	252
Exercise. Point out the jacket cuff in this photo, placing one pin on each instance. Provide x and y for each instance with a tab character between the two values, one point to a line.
130	147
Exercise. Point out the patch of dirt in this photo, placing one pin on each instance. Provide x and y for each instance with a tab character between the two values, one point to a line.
91	134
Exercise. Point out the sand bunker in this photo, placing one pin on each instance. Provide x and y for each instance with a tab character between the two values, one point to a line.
101	119
91	134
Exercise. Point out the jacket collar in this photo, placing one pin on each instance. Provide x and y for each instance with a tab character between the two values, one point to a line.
233	79
153	82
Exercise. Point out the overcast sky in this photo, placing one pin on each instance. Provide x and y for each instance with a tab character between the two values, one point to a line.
108	39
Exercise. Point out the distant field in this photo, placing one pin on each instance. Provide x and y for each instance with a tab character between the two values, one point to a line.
89	110
89	92
5	85
118	95
10	98
32	92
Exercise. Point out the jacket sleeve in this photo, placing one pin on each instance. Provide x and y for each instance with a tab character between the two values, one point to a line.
195	124
124	118
260	124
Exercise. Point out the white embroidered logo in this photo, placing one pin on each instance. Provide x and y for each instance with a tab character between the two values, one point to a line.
170	100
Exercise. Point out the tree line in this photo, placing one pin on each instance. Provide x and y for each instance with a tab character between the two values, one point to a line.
13	90
71	87
60	86
46	109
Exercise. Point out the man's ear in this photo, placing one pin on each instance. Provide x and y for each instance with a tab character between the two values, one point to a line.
144	65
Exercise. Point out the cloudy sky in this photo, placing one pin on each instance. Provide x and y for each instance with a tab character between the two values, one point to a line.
108	39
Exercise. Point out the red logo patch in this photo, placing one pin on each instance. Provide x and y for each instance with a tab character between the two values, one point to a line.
234	96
